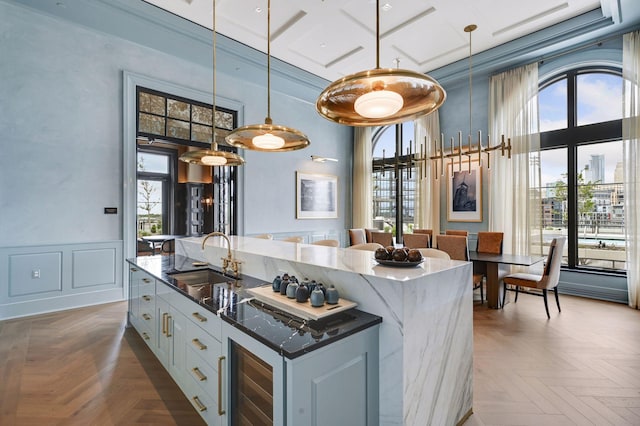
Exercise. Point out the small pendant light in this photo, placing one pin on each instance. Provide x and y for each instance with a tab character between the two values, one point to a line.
212	157
268	137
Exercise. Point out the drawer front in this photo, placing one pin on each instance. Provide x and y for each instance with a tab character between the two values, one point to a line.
147	334
203	344
205	404
199	315
203	373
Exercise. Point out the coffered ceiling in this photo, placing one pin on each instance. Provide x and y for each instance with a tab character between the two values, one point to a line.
333	38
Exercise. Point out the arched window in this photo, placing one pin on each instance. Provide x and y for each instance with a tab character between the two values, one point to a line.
394	179
581	166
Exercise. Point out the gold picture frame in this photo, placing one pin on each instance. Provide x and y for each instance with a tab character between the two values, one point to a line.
464	192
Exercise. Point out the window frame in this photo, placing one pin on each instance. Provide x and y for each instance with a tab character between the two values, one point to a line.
572	137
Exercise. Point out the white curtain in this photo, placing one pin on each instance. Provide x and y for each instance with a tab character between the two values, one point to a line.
514	201
631	160
426	131
362	198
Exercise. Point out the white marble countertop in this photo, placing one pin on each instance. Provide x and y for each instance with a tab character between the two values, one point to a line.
341	259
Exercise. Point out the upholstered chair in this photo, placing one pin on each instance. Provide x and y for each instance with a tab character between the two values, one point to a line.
454	245
384	238
168	246
367	233
431	252
547	281
457	232
366	246
294	239
488	242
429	232
416	240
357	236
328	243
264	236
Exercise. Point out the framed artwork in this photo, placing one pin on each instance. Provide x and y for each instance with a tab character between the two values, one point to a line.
316	196
464	192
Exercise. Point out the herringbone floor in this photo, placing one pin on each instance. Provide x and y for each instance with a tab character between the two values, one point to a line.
581	367
82	367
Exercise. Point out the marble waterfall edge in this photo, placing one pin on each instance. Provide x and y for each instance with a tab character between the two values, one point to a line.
426	336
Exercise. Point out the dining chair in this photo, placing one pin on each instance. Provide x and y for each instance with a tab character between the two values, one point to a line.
429	232
328	243
367	233
293	239
143	248
168	247
366	246
384	238
454	245
416	240
357	236
488	242
431	252
457	232
547	281
264	236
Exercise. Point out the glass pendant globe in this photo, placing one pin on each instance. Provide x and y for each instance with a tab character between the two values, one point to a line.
378	104
268	141
213	160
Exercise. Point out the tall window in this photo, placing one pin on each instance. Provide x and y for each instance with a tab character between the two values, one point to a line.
154	174
581	166
394	180
176	123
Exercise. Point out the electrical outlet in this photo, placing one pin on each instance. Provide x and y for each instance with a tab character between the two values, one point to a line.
35	273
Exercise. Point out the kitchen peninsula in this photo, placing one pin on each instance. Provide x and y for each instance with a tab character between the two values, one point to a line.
426	335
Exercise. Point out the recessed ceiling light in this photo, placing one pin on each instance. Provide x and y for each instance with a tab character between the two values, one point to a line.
323	45
258	9
386	7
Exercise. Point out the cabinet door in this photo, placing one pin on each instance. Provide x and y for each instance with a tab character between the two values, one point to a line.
254	377
337	384
134	304
165	333
178	326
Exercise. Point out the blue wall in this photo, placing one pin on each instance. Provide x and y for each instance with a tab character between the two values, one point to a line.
61	121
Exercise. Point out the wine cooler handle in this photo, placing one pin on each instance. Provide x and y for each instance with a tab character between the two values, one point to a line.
221	411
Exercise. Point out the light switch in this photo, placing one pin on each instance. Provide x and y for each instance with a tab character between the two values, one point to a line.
35	273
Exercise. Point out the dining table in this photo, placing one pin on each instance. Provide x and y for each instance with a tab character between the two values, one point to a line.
157	240
495	267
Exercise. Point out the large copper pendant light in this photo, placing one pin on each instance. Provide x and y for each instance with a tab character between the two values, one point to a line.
380	96
213	156
268	137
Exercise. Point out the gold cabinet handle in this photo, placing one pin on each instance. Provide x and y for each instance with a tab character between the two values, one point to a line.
145	336
146	298
164	323
146	280
221	412
168	328
199	344
146	316
199	317
200	405
199	374
133	269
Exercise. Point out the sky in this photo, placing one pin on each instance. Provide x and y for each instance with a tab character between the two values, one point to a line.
599	99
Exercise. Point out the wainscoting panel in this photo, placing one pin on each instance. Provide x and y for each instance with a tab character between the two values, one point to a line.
35	273
40	279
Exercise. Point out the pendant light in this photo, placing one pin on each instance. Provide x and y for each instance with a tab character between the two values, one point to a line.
380	96
213	156
268	137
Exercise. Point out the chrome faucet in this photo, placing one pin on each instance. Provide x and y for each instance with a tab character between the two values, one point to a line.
226	261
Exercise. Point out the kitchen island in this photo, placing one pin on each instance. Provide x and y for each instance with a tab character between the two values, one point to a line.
426	335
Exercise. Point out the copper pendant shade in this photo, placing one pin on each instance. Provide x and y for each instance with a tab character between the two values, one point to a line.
380	96
213	157
268	137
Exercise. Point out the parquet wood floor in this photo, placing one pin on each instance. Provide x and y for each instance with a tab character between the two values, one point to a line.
581	367
82	367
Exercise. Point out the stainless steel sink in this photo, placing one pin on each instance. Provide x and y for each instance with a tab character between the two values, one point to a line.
199	284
